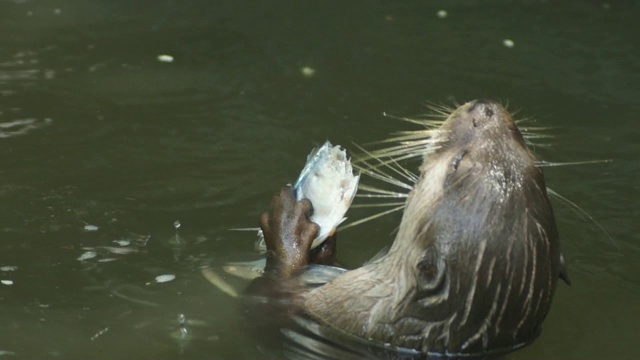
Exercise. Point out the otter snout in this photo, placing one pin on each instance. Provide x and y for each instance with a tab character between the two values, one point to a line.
482	109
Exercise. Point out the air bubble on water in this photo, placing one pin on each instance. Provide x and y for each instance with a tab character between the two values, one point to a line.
9	268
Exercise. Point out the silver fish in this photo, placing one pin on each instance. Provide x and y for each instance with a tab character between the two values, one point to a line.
327	180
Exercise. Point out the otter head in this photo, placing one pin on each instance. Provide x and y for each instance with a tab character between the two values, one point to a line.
478	240
474	265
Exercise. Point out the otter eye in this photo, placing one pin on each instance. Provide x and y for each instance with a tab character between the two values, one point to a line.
457	159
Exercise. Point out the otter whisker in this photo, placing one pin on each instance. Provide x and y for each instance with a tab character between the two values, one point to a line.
361	221
533	128
245	229
404	152
379	175
377	205
390	195
406	136
373	196
428	122
580	211
441	110
391	165
377	192
530	128
423	141
542	163
527	135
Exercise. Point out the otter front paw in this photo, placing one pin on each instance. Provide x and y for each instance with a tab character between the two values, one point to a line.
288	232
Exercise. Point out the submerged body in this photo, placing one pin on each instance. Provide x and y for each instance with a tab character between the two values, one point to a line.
473	268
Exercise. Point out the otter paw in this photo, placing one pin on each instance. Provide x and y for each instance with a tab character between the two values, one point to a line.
288	232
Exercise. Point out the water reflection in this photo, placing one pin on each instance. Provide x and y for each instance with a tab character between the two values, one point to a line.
17	73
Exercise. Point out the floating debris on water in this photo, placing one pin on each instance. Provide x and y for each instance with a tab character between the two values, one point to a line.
99	333
164	278
6	282
9	268
87	255
442	14
176	224
130	245
89	227
508	43
165	58
119	250
307	71
122	242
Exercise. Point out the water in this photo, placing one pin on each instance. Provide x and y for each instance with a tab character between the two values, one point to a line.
96	131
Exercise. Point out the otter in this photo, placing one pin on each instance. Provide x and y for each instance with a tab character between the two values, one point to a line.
473	268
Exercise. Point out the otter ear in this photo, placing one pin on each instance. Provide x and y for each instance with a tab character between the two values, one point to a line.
564	274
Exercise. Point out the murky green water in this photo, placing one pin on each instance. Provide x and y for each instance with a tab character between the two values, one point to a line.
96	131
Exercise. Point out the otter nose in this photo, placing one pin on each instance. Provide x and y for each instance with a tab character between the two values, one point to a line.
483	106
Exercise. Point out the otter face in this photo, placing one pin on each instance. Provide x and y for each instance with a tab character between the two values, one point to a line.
480	140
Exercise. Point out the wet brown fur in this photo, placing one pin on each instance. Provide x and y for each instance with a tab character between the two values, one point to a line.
476	260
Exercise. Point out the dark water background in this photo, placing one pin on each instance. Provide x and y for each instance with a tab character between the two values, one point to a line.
95	130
